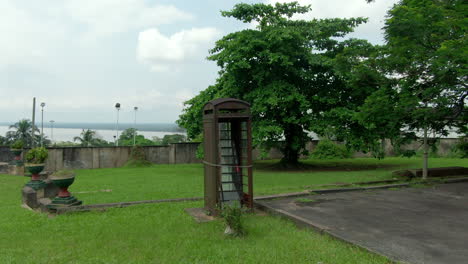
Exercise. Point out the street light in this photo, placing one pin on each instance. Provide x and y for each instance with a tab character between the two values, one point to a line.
117	106
42	123
52	130
134	126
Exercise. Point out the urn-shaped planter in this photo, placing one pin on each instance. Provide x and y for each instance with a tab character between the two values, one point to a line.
17	149
17	153
35	169
63	180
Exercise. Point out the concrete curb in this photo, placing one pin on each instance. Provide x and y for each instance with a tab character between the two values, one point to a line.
90	207
352	189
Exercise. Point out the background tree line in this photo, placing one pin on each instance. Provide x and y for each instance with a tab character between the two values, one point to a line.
22	131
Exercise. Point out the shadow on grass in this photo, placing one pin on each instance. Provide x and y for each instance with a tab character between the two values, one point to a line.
333	165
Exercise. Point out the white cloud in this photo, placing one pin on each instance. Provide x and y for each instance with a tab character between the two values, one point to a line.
104	17
162	52
35	33
375	11
24	39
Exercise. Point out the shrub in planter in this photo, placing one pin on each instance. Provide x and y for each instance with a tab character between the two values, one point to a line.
17	148
37	155
35	159
327	149
17	145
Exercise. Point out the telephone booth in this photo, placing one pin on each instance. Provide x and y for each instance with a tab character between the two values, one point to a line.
228	153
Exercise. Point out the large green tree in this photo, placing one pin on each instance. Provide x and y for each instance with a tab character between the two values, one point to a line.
284	68
417	81
427	57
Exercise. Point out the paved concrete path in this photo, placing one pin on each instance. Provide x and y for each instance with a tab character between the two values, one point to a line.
415	225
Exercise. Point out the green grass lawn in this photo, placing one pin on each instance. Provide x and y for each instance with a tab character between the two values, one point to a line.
164	233
186	180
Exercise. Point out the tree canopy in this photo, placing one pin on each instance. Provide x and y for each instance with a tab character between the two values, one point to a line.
427	56
302	76
284	68
90	138
126	138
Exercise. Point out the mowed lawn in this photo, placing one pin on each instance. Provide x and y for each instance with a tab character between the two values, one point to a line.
164	233
186	180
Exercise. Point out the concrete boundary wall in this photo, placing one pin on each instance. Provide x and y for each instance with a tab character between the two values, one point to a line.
112	157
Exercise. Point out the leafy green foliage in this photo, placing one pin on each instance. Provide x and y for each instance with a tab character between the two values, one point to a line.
460	150
232	215
126	138
169	139
18	144
285	68
137	158
426	55
89	138
22	130
175	138
327	149
3	141
37	155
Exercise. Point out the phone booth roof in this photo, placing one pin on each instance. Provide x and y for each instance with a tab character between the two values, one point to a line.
227	107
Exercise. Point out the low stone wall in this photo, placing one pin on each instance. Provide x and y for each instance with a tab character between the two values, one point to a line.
444	147
111	157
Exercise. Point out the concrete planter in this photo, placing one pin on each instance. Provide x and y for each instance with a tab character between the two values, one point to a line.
64	198
35	183
17	153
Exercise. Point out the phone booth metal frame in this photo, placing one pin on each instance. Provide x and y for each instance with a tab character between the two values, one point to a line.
228	153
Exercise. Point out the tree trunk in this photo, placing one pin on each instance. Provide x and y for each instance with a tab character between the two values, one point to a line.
426	154
293	145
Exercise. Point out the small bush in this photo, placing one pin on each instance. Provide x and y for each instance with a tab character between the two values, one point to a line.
200	154
407	153
18	144
37	155
327	149
232	214
460	150
137	159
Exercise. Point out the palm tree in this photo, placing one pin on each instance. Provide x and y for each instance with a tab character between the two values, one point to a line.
88	138
22	131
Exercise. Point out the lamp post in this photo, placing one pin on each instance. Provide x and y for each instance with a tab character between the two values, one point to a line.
117	106
134	126
33	130
42	124
52	130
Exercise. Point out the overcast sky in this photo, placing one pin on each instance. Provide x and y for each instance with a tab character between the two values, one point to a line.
80	57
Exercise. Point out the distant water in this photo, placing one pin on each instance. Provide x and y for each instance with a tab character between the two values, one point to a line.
67	134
